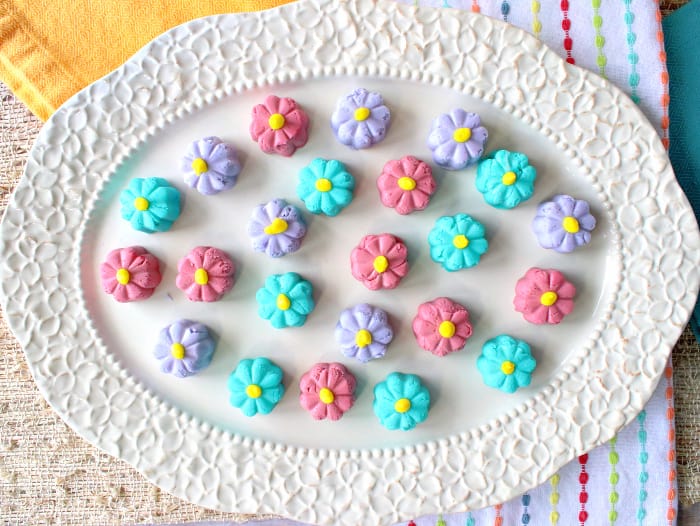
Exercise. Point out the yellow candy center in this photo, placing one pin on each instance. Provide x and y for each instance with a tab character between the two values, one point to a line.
277	226
460	241
402	405
447	329
253	391
462	134
507	367
177	351
362	114
123	276
406	183
326	395
276	121
199	166
283	302
323	185
381	263
363	338
570	224
549	298
509	178
141	204
201	277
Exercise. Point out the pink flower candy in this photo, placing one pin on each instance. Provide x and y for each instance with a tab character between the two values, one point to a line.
544	296
442	326
130	274
406	185
327	391
379	261
205	274
279	126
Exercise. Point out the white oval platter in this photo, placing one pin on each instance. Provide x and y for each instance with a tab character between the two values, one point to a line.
91	359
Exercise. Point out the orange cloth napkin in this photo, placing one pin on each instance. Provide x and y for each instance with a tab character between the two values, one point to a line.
50	49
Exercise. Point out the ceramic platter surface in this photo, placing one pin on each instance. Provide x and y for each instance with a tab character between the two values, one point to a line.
92	357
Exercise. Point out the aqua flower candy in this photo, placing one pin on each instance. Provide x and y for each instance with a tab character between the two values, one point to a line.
457	139
506	363
255	386
401	401
150	205
286	300
325	186
505	179
457	242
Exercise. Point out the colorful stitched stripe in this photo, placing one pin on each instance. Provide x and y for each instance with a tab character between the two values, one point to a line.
670	414
614	497
643	473
505	9
525	519
554	499
583	494
566	26
475	6
665	98
440	521
498	520
601	60
632	57
536	24
470	520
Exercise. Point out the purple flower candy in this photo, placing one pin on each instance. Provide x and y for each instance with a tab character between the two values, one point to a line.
457	139
211	166
277	228
363	332
184	348
360	119
563	223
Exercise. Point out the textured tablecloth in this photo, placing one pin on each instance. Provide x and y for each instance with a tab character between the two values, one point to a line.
48	475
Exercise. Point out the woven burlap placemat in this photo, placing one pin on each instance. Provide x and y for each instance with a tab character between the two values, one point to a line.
49	475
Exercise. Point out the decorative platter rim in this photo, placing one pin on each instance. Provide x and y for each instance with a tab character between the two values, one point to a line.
591	122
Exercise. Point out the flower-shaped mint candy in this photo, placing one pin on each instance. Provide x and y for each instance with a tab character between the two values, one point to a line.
327	391
563	224
276	228
401	401
150	205
286	300
211	166
363	332
457	139
325	186
279	126
506	363
130	274
184	348
505	179
255	386
442	326
360	119
205	274
406	184
544	296
457	242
